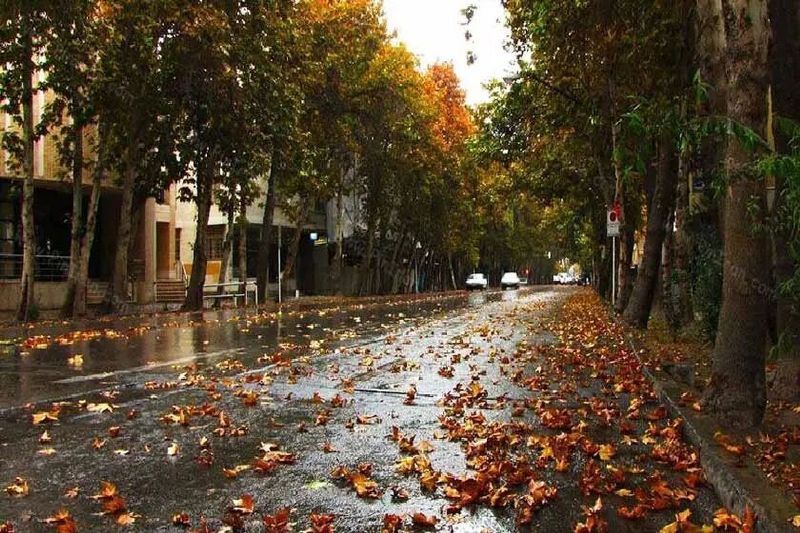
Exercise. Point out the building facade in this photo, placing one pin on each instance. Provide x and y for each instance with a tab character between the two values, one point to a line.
153	256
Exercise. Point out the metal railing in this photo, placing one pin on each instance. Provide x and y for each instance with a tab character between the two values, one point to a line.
249	286
48	267
180	270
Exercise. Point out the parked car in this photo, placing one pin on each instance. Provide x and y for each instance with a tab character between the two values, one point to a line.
477	281
510	280
523	281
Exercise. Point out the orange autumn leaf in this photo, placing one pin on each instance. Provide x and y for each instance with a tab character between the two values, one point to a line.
421	519
244	505
62	521
321	523
278	522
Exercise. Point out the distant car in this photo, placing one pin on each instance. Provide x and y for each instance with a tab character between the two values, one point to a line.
510	280
523	281
477	281
564	278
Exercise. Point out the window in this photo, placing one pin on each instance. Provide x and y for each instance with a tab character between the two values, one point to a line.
215	242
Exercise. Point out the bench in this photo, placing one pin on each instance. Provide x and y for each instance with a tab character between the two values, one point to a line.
214	293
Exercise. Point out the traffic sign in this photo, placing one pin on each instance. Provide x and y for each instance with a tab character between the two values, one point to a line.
612	221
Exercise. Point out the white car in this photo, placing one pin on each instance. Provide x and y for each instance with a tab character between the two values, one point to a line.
564	278
510	280
477	281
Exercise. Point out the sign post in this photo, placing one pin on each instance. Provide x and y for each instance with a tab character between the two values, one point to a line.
280	272
612	230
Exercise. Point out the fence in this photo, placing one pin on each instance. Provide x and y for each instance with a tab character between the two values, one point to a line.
48	267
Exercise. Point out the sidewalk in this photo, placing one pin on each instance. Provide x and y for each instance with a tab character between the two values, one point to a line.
757	469
42	333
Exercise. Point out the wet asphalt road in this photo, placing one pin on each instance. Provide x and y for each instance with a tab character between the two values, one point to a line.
195	396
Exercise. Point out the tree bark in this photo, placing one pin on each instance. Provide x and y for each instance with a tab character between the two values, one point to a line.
682	285
117	292
626	237
667	276
87	239
366	261
242	226
390	281
227	252
197	279
625	251
336	267
294	248
736	391
27	279
784	62
77	229
637	311
264	245
79	303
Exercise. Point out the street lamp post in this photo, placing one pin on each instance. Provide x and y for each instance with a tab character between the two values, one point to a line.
416	266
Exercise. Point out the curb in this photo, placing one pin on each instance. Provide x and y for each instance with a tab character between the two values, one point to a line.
728	487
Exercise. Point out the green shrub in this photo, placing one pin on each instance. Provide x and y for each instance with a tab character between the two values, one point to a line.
706	278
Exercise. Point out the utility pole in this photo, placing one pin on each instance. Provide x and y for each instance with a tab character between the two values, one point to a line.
613	271
417	248
612	230
280	272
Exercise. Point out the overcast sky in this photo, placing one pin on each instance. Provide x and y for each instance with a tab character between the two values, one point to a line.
433	30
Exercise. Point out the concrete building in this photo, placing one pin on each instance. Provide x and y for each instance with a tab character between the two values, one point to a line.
155	239
310	272
163	239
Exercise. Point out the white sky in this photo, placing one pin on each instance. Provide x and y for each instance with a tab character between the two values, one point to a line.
432	29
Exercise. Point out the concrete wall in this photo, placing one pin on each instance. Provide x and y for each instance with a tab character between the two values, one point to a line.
49	294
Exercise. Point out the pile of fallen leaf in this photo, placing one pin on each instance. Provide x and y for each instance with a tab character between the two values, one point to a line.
512	463
774	447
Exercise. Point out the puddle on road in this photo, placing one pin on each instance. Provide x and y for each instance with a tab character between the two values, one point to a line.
64	369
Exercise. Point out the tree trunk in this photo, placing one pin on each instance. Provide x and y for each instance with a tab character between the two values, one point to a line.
390	281
625	251
637	311
736	391
242	226
784	62
227	252
366	261
264	245
336	267
117	292
197	279
626	237
683	295
667	274
87	239
77	229
294	249
452	271
27	279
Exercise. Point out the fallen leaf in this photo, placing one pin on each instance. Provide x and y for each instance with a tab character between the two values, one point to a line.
18	488
424	520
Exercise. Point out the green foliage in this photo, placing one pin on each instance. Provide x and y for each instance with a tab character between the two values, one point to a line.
706	276
785	168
